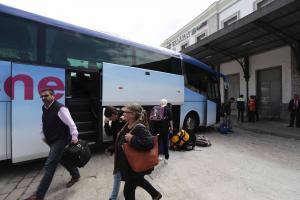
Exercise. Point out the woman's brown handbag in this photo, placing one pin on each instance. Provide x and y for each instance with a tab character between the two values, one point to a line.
141	161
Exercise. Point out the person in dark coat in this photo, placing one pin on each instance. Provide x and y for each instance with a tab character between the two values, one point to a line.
294	108
111	129
115	116
240	104
226	112
139	137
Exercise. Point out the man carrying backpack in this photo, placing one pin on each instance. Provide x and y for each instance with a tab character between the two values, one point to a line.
161	120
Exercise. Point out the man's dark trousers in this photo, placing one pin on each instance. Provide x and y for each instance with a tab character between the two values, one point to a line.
295	115
241	114
54	158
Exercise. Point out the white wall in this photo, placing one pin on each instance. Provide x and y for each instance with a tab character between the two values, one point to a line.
277	57
232	67
244	7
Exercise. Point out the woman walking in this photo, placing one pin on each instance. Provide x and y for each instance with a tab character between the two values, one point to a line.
138	136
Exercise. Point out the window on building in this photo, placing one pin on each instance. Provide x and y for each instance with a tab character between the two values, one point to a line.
263	3
230	20
202	25
184	46
18	39
200	37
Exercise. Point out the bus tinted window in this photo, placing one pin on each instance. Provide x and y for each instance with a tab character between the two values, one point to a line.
159	62
196	78
18	39
76	50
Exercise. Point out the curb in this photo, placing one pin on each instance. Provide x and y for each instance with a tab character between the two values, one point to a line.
296	137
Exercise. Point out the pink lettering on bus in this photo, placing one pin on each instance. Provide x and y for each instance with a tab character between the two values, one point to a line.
58	87
9	85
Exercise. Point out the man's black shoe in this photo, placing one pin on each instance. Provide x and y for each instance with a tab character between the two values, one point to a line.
73	180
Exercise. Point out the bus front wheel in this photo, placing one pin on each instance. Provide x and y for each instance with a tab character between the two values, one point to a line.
190	123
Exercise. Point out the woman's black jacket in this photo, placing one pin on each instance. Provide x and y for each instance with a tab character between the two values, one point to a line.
141	140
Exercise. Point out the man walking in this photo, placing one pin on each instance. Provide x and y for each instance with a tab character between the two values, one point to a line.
294	108
58	129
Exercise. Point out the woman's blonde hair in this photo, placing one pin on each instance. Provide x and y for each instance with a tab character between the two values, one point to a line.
139	112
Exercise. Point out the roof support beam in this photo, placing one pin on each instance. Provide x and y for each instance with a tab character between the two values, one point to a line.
296	51
244	62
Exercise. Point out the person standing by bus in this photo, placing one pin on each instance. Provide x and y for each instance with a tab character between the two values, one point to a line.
58	129
111	129
226	113
139	137
115	116
161	121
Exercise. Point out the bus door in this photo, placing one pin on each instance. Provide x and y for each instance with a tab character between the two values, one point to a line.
123	84
5	112
26	117
83	101
213	100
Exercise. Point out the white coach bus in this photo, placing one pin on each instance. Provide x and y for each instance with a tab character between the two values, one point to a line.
89	70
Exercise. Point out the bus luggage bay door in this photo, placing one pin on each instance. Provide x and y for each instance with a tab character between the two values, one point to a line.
26	82
5	113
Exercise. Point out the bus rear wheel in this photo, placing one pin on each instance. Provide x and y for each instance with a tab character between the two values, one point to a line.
190	123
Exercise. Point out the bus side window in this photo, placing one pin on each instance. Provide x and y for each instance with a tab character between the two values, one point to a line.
18	39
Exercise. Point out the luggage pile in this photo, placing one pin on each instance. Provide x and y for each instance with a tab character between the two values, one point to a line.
182	141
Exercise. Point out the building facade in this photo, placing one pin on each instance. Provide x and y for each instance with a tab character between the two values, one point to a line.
273	74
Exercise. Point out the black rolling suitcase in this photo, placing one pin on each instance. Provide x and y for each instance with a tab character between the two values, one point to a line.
78	154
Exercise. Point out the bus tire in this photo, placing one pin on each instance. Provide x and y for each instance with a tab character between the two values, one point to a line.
191	123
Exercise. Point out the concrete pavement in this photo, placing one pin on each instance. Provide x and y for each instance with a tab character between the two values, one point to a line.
244	165
269	127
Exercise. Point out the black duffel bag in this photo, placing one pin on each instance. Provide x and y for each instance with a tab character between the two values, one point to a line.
77	154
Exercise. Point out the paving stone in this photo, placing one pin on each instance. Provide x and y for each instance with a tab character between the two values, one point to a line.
24	183
3	196
16	194
16	179
31	174
7	188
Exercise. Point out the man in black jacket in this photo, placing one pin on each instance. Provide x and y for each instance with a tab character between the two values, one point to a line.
111	129
240	104
294	108
57	131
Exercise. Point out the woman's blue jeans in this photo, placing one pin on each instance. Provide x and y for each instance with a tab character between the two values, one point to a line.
116	186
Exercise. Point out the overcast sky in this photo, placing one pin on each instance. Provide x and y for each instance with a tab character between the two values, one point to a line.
145	21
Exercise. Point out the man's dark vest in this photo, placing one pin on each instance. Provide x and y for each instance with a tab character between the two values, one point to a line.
54	129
